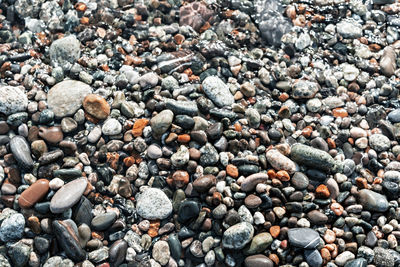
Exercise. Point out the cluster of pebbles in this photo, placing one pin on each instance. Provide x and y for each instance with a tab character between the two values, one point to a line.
199	133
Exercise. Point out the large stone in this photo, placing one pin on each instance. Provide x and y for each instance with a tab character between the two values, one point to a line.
68	240
313	157
250	182
349	29
65	50
66	97
161	252
373	201
259	243
12	100
12	228
217	91
237	236
68	195
304	89
153	204
118	252
303	238
21	152
388	61
33	193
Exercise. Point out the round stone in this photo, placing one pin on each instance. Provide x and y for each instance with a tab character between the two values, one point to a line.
379	142
111	127
12	100
237	236
153	204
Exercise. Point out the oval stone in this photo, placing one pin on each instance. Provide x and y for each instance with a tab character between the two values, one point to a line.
373	201
258	260
103	221
68	195
118	252
250	182
21	152
303	238
33	193
202	184
238	236
153	204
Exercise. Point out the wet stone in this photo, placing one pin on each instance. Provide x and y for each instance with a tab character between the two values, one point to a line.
303	238
237	236
68	195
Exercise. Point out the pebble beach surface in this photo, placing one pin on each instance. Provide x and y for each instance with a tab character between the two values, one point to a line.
199	133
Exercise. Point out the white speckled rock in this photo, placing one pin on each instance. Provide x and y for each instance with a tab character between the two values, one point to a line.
153	204
12	100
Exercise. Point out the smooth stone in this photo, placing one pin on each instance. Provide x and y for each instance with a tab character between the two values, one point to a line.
250	182
33	194
217	91
259	243
12	228
237	236
103	221
299	181
258	260
68	174
65	98
188	210
161	122
154	151
12	100
68	195
117	252
49	157
313	257
360	262
373	201
175	246
317	217
388	61
96	106
313	157
68	240
21	152
161	252
204	183
280	162
303	238
98	255
94	134
153	204
68	125
182	107
82	212
52	135
344	257
111	127
41	244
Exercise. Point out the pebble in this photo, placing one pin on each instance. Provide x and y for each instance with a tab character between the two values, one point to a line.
379	142
66	97
33	193
217	91
111	127
65	50
153	204
250	182
280	162
373	201
96	106
12	227
161	252
68	195
21	151
344	257
161	122
12	100
305	238
237	236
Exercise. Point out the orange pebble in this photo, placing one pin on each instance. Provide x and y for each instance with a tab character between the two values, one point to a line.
274	258
337	208
232	171
329	236
283	176
138	127
339	112
322	191
326	255
275	231
271	173
184	138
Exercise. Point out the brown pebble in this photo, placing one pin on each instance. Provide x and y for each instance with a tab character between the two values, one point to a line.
96	106
33	194
52	135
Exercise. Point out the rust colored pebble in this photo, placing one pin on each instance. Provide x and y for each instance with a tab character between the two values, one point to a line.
138	127
33	194
232	171
180	178
34	224
326	255
96	106
283	176
322	191
274	258
275	231
337	209
153	230
329	236
184	138
339	112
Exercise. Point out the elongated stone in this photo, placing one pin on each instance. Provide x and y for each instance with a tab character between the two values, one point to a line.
280	162
182	107
373	201
68	240
33	193
68	195
314	158
21	152
117	252
250	182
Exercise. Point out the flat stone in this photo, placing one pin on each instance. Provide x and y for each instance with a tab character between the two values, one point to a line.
388	59
217	91
68	240
65	98
21	152
344	257
373	201
313	157
188	210
258	260
68	195
237	236
250	182
153	204
360	262
96	106
304	89
103	221
12	100
259	243
33	194
313	257
303	238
